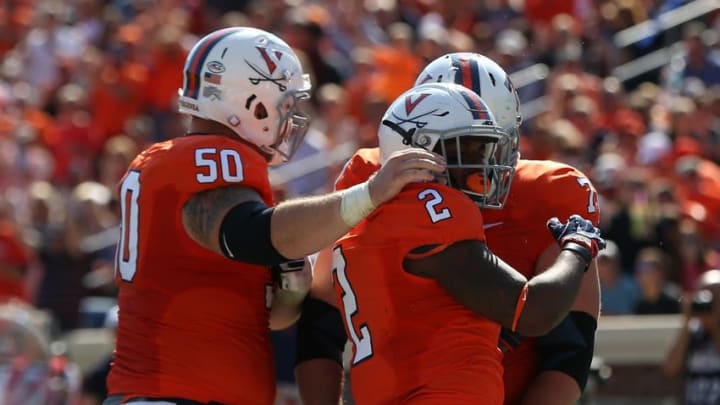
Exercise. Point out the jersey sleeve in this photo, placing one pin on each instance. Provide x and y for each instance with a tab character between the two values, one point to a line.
426	218
358	169
571	193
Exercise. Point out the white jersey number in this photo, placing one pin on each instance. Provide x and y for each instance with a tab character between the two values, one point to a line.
230	166
127	251
362	340
592	199
432	198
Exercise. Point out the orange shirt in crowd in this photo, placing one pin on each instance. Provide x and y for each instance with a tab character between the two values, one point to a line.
14	260
118	96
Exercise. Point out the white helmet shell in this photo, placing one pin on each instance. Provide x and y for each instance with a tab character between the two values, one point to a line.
452	120
483	76
250	81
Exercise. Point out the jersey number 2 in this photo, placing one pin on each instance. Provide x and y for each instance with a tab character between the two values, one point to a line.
362	340
127	251
432	198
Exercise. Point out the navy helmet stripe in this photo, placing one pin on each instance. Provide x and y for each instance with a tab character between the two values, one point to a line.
475	76
472	104
196	60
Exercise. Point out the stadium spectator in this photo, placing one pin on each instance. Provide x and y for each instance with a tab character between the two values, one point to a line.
695	353
619	292
658	295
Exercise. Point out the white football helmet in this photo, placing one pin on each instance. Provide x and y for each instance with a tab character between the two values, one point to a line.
486	78
249	80
452	120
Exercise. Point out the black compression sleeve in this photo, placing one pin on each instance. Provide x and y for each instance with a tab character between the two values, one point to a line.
569	347
245	235
320	332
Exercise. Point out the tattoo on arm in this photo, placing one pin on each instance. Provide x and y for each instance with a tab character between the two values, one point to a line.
204	212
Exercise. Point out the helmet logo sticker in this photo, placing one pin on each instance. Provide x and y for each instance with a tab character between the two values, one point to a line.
213	78
410	104
212	92
266	76
269	62
215	67
406	135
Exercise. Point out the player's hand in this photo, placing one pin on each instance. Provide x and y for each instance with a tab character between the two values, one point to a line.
404	167
577	234
293	275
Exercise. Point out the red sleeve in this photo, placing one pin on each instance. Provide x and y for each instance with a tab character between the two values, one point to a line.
12	251
359	168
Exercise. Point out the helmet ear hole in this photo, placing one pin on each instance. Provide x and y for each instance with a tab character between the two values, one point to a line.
260	111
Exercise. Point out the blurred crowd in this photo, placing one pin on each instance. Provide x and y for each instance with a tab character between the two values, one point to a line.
86	84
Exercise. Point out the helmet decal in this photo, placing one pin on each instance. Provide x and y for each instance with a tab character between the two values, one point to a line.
267	76
407	135
410	104
476	106
467	72
415	120
197	57
269	62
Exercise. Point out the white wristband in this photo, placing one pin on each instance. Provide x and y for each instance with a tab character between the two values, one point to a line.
356	204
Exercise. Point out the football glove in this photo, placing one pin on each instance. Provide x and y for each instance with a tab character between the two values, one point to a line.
577	235
293	275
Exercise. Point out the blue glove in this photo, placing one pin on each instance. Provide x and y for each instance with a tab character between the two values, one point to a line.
577	235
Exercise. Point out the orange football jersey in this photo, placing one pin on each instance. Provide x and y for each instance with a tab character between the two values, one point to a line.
192	324
518	234
413	343
359	168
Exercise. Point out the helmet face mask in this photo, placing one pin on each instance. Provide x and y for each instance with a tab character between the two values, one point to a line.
252	82
293	126
473	165
451	120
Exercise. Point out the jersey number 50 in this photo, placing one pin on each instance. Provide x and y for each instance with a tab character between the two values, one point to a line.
127	251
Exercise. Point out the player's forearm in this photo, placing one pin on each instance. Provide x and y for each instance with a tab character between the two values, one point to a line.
588	297
304	226
551	295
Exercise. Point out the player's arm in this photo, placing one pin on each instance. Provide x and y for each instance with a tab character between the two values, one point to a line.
320	340
485	284
235	222
566	352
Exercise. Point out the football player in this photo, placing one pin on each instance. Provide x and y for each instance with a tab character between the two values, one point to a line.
422	297
199	233
551	368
